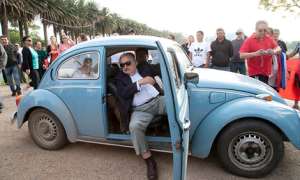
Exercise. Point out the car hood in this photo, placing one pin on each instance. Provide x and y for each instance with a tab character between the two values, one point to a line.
216	79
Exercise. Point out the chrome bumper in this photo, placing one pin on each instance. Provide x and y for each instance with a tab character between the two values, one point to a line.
13	118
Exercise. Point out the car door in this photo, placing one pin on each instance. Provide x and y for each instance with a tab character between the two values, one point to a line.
177	105
79	80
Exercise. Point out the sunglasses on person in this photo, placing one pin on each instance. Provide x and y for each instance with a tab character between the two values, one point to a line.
128	63
262	30
29	40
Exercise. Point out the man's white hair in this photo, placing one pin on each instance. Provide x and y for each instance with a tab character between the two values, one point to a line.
261	22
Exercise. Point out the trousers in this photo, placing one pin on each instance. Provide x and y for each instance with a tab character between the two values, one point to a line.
141	117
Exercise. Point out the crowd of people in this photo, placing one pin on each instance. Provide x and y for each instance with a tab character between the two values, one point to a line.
30	59
262	55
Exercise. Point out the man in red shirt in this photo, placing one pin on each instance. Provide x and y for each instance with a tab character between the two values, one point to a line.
258	49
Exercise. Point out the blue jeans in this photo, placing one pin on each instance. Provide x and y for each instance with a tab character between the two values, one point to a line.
238	67
13	78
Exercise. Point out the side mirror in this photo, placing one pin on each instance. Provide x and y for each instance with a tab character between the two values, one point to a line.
191	77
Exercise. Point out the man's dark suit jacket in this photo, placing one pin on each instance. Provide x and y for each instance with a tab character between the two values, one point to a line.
126	90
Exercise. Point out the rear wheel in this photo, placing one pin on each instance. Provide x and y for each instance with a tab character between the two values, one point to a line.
250	148
46	130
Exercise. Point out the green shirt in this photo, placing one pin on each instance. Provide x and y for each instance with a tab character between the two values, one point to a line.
42	56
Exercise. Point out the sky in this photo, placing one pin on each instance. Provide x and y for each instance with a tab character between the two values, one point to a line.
188	16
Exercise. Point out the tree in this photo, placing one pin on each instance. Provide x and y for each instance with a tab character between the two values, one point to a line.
292	6
104	22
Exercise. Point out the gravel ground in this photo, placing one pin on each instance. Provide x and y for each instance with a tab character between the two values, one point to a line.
21	159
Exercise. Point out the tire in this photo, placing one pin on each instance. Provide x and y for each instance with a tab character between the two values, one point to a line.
250	148
46	130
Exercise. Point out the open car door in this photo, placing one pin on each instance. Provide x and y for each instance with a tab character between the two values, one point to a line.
176	98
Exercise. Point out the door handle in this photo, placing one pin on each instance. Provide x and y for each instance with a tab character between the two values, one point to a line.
186	124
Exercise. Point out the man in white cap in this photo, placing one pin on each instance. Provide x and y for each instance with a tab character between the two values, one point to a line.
237	64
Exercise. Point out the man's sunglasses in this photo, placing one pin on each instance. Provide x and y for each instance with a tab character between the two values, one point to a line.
262	30
29	40
128	63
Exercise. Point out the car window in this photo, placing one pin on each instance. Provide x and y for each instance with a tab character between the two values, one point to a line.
174	66
184	61
82	66
115	57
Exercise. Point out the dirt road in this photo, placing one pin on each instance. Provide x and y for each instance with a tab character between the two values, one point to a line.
21	159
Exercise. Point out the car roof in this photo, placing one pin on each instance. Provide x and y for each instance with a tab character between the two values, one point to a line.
123	40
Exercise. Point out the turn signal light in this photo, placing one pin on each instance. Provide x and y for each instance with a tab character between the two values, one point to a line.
268	98
265	97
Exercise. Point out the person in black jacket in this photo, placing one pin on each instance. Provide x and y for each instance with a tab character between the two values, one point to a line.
221	52
141	96
30	62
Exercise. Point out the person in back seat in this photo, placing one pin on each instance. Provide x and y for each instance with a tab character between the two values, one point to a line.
142	56
141	95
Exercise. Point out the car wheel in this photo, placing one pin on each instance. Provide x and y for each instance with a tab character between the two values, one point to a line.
46	130
250	148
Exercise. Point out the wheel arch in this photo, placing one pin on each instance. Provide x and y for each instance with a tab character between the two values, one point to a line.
279	116
270	123
44	99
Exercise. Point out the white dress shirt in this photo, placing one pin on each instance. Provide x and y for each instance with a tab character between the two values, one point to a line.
146	91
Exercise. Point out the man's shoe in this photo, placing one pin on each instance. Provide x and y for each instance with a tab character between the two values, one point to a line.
19	92
13	93
151	168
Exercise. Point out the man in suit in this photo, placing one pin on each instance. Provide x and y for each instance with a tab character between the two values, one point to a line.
141	96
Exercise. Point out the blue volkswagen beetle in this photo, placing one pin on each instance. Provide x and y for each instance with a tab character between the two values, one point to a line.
245	120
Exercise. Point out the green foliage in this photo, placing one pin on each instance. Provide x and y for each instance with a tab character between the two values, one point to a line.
13	35
291	45
292	6
74	17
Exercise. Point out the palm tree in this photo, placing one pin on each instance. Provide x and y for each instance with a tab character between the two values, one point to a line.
104	22
10	8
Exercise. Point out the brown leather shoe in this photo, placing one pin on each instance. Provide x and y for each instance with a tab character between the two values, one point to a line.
151	168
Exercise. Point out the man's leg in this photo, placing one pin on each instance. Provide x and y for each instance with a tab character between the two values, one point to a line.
138	124
242	68
35	79
16	75
4	76
9	77
233	67
262	78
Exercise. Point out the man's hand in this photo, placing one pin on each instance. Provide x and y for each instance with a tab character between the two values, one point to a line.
147	80
260	52
27	71
205	65
270	52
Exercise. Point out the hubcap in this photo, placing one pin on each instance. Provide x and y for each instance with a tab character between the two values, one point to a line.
250	151
46	128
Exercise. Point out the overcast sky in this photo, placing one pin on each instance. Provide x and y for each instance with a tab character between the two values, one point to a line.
188	16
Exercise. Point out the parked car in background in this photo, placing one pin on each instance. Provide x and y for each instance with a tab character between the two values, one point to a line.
244	119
